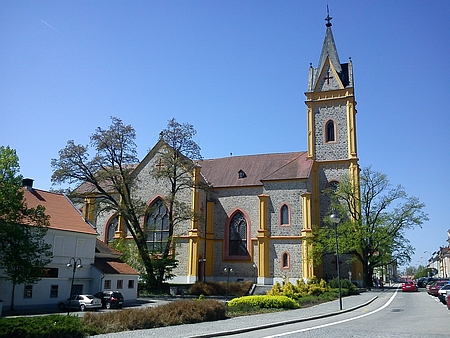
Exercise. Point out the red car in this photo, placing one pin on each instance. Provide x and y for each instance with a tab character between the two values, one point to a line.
448	300
409	285
434	288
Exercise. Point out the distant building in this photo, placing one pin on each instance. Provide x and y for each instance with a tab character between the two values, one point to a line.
261	207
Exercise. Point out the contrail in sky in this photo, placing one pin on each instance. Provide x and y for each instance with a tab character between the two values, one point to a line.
51	26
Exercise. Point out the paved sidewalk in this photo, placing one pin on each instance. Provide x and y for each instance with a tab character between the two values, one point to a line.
246	323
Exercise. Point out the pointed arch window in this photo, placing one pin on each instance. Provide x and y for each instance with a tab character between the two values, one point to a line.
330	131
157	226
285	260
284	215
113	226
237	235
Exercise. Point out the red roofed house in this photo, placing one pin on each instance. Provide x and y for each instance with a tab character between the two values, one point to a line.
71	236
260	208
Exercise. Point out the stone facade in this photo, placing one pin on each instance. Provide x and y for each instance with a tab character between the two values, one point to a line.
259	187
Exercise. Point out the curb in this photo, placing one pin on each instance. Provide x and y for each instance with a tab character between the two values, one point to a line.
261	327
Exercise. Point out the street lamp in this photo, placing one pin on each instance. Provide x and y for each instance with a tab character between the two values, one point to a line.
334	218
74	263
228	270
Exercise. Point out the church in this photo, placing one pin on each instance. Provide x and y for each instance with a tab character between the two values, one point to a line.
260	208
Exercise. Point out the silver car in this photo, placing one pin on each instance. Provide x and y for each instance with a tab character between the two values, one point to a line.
81	302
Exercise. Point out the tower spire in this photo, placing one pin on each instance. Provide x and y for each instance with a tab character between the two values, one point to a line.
328	18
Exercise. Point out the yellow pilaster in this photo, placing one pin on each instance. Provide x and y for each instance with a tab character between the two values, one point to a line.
310	132
351	129
209	245
193	253
121	228
121	225
263	238
196	198
193	233
89	209
307	262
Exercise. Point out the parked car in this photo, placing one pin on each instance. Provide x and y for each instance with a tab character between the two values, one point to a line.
435	286
409	285
81	302
442	293
447	300
110	299
422	282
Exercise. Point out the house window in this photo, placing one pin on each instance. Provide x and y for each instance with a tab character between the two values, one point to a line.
120	284
53	291
28	291
285	260
284	215
157	224
330	134
238	235
130	284
107	284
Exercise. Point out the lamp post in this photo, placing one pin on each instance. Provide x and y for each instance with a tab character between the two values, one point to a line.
74	264
334	217
228	270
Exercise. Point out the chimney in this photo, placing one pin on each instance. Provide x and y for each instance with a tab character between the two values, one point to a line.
28	183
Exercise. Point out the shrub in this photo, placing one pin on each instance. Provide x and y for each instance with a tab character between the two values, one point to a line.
174	313
52	326
300	289
348	288
220	288
277	302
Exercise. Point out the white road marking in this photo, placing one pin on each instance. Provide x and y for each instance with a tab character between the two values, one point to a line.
338	322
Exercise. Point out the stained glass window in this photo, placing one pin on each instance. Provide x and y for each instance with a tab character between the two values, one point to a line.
238	235
157	227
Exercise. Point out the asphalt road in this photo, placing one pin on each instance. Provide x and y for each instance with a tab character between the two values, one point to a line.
386	314
393	314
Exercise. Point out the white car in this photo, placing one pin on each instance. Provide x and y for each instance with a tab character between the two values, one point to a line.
81	302
442	292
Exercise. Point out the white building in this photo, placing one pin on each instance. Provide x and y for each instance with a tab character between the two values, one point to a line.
72	239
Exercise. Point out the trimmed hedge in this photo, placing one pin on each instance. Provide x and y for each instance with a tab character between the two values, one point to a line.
52	326
174	313
277	302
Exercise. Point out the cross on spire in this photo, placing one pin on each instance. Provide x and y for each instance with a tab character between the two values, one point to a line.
328	18
328	77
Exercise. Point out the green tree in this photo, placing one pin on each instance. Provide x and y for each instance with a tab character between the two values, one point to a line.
108	175
178	164
23	251
375	217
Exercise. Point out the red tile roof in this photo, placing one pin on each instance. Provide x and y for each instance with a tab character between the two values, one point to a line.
224	172
104	249
114	266
63	214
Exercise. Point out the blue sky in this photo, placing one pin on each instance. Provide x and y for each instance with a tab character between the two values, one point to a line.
237	71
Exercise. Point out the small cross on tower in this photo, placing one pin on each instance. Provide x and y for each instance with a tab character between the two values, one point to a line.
160	165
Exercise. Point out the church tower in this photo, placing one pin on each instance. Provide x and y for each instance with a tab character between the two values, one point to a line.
331	115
